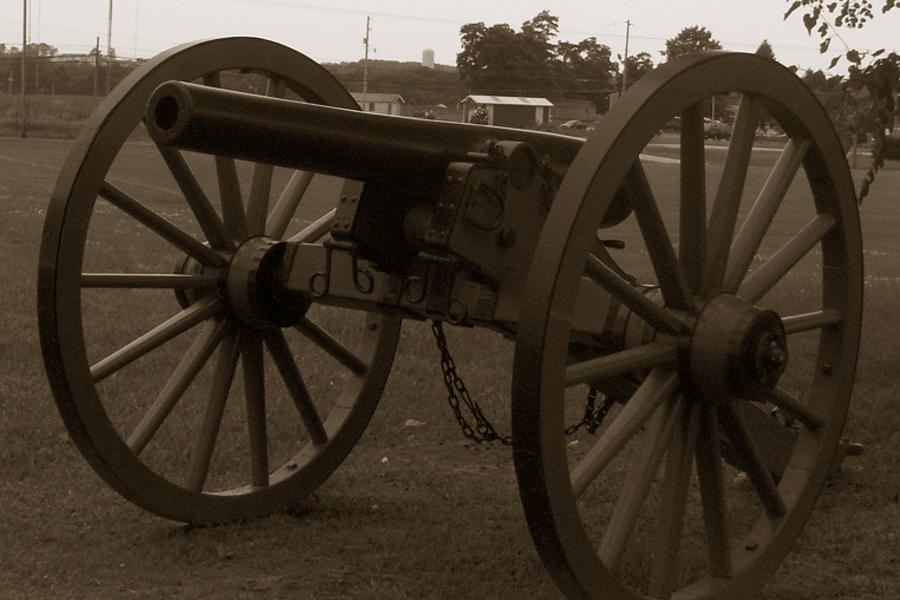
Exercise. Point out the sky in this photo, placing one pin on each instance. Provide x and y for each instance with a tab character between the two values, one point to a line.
333	30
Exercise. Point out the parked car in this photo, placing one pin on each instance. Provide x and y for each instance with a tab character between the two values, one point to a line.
577	125
716	130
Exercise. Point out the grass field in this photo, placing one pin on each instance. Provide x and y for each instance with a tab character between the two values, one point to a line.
49	116
415	512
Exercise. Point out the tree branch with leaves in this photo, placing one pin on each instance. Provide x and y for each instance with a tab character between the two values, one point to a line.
875	71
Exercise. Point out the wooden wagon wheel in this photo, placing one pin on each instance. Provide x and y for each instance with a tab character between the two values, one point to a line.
746	348
150	298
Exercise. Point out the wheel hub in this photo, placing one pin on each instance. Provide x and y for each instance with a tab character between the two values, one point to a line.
737	350
253	292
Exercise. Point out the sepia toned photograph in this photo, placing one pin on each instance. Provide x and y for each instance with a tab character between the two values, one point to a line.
410	300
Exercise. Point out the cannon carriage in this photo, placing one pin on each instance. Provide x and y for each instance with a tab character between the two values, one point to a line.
726	348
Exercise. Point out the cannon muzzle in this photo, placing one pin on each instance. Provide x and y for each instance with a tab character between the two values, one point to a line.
402	151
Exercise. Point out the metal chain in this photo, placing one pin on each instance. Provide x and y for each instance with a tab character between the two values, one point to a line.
483	430
593	417
456	391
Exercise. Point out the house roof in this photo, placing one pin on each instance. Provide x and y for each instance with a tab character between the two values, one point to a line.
378	97
510	100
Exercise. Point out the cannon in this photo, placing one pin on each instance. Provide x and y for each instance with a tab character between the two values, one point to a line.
254	291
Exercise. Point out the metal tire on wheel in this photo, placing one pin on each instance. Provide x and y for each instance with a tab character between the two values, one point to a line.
746	346
154	305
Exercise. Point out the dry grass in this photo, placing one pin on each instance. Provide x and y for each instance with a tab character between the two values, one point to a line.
414	512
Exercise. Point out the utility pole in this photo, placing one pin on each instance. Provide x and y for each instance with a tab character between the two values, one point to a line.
365	89
109	48
625	60
96	64
23	131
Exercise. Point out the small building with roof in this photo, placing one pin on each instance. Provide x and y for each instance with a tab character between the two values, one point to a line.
388	104
573	108
507	111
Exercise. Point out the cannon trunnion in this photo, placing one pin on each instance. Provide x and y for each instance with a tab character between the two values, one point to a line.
220	305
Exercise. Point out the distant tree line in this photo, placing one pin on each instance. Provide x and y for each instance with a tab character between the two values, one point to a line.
48	72
532	62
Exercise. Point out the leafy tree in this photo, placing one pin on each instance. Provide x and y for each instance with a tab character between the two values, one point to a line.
589	69
872	71
847	110
765	49
540	31
499	60
697	39
636	66
689	40
34	49
479	116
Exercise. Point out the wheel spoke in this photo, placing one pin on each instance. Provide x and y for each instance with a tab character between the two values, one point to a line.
712	492
673	503
316	229
258	204
657	316
792	406
281	354
639	357
728	195
653	392
332	346
668	271
261	184
287	204
757	471
275	87
761	215
162	227
230	195
179	323
656	437
255	397
769	273
231	198
203	210
810	321
191	363
201	456
148	280
692	214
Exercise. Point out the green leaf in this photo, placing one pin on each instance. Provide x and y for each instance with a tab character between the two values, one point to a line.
823	47
834	61
878	52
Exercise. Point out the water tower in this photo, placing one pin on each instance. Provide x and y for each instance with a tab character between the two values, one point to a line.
428	58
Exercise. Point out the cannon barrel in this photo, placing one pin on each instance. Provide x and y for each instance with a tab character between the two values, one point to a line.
348	143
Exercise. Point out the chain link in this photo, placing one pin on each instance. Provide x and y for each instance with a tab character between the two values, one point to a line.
456	391
483	430
593	417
